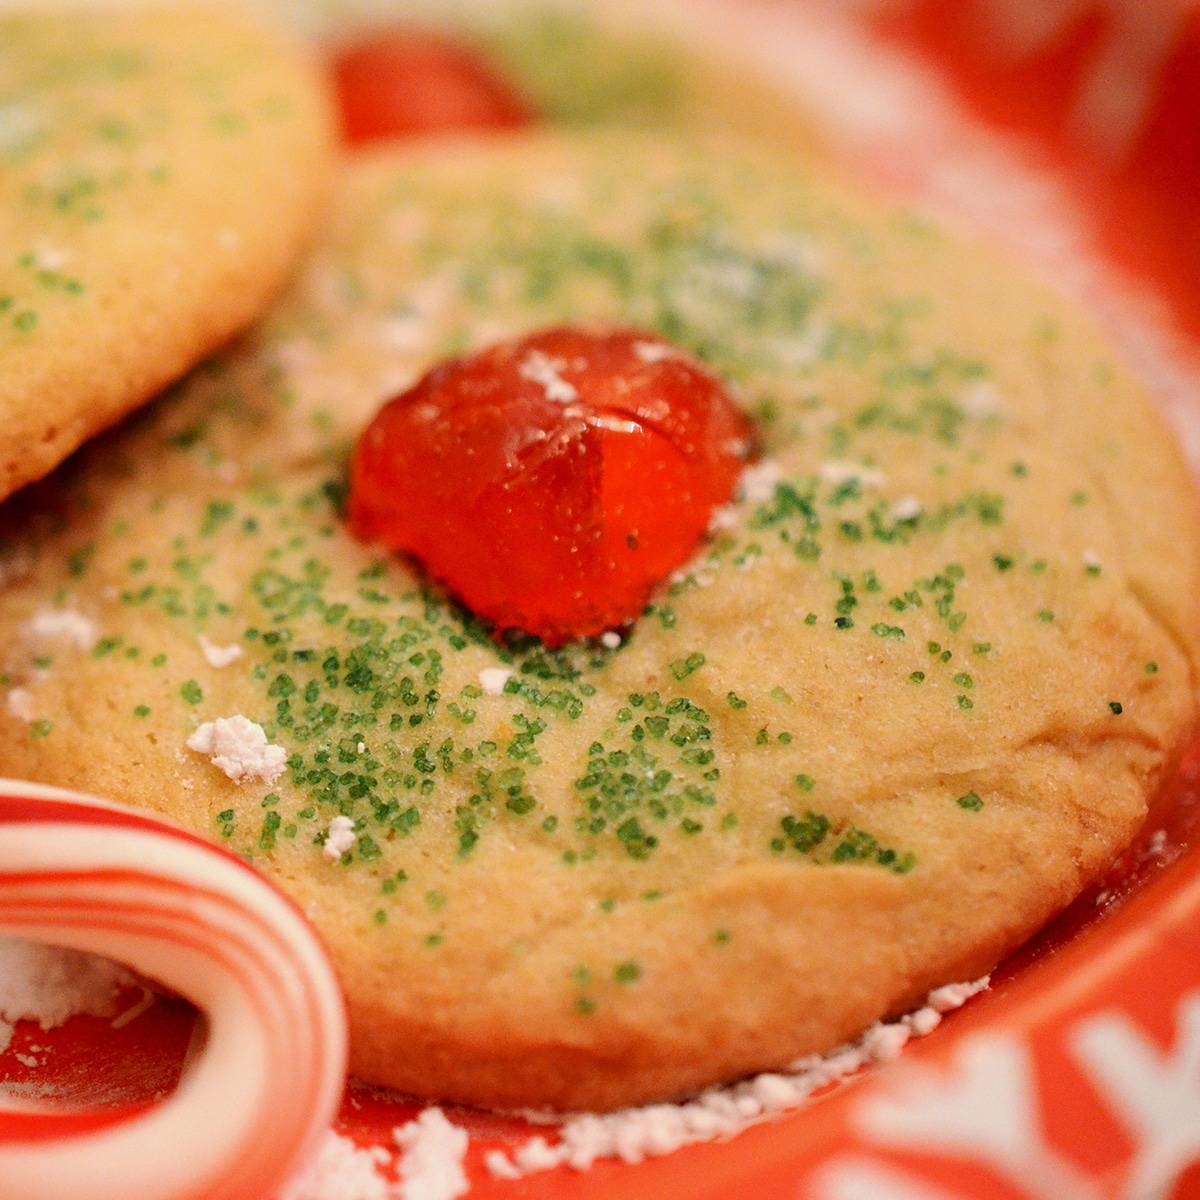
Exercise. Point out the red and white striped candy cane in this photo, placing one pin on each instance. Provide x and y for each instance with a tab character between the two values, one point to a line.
81	873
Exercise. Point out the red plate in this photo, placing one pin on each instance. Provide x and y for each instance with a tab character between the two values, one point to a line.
1078	1075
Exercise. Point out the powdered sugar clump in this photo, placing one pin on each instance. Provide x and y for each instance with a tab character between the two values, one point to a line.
954	995
434	1150
49	985
20	704
431	1169
219	656
981	400
63	625
239	747
493	679
724	517
343	1171
340	838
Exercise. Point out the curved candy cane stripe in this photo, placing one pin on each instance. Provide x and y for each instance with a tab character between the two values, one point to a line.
77	872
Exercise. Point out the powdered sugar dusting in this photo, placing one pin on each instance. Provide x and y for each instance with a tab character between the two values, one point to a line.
546	372
656	352
836	471
981	400
15	564
758	481
634	1134
63	625
432	1166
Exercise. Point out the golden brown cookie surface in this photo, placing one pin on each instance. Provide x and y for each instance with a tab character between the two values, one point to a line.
914	693
159	171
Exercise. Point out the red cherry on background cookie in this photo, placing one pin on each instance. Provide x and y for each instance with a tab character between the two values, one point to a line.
410	83
553	481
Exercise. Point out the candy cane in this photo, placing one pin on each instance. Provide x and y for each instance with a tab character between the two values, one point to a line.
81	873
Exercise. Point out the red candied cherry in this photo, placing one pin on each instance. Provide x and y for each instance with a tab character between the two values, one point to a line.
406	83
551	482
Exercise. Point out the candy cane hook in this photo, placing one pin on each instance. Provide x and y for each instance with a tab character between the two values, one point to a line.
81	873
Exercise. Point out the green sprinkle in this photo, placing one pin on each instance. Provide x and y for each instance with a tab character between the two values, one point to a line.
964	702
192	692
1116	707
41	729
380	917
142	710
917	677
805	783
735	701
1045	615
78	560
270	827
722	937
971	802
681	668
627	972
1152	668
584	1006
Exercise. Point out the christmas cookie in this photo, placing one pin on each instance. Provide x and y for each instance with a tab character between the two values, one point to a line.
159	171
906	687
